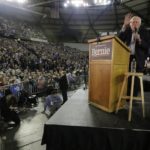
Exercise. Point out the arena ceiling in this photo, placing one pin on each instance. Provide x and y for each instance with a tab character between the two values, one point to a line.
80	24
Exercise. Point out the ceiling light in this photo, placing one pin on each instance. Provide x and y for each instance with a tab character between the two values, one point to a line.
102	2
21	1
75	3
18	1
65	5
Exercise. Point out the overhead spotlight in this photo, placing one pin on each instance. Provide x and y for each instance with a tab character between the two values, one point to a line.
102	2
65	5
22	1
18	1
68	2
85	4
76	3
95	1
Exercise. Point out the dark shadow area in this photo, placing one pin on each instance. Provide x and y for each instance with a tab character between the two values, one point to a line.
10	142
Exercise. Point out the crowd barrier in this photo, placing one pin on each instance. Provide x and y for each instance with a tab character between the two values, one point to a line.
32	87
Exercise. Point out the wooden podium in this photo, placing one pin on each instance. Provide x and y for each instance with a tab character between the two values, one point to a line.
108	61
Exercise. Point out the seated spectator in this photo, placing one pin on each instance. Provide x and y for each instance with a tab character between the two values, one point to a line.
1	80
41	83
71	80
52	101
15	89
1	94
23	98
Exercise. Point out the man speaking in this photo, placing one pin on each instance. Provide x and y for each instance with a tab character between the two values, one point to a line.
137	39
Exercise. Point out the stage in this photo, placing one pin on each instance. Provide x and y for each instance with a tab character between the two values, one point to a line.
79	126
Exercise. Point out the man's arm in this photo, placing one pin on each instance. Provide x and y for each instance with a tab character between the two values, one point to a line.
125	26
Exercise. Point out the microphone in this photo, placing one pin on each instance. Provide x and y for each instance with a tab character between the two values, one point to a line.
136	36
98	39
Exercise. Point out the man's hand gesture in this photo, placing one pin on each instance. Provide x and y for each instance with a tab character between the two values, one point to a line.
127	19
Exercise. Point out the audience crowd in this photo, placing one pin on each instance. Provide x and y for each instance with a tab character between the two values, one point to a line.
26	60
29	67
15	28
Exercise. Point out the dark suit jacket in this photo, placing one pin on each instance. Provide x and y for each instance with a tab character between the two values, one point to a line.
63	83
141	50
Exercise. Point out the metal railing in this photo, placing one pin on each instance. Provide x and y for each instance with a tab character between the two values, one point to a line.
31	86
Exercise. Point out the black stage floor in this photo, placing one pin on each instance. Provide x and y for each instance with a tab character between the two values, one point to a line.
79	126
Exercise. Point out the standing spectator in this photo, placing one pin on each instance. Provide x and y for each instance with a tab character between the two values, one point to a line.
63	85
85	76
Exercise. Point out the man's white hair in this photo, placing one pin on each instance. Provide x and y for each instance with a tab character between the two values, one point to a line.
135	18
